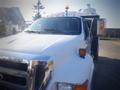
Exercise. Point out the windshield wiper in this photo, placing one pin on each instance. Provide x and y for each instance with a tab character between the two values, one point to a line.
46	31
52	31
30	31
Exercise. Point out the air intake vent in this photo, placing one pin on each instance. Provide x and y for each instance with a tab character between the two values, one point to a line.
13	65
13	79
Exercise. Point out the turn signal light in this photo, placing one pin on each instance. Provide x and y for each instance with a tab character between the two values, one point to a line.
81	87
68	86
82	52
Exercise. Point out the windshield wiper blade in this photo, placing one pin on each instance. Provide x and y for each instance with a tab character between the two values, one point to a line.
53	31
30	31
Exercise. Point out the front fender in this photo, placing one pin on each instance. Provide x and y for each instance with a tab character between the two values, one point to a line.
73	70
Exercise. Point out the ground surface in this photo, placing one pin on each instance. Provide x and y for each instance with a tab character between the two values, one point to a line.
109	48
107	69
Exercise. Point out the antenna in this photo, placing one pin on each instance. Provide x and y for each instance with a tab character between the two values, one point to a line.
66	10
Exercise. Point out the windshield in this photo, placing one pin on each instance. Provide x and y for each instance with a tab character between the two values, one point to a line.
56	25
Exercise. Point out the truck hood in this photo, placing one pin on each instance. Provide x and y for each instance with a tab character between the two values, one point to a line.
32	43
63	50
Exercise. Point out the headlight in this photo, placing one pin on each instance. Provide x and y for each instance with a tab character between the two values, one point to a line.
64	86
67	86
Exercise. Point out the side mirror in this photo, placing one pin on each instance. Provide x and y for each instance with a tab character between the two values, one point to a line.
101	27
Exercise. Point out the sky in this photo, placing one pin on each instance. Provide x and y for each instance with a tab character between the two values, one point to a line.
108	9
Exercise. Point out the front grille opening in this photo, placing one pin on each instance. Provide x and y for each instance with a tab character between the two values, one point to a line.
13	65
14	79
3	87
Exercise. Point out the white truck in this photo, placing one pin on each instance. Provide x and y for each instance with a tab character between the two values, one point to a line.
54	53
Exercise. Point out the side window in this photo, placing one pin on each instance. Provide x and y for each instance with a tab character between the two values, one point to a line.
86	29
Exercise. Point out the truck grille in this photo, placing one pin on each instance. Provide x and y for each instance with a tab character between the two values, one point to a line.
6	88
13	79
13	65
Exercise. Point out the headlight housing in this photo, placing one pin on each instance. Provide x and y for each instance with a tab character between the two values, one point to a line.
67	86
64	86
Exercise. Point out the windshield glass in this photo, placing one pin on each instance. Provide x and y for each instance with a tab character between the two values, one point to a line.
57	25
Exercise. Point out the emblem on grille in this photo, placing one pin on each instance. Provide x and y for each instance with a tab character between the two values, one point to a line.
1	76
